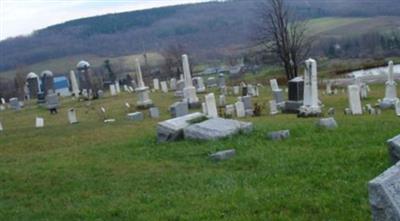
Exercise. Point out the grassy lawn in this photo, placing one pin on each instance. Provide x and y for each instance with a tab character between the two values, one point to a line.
96	171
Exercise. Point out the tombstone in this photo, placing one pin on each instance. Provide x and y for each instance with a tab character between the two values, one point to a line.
14	104
245	90
72	119
327	123
211	105
364	89
311	106
39	122
156	84
278	96
85	93
354	99
248	105
384	195
229	110
52	103
33	85
179	109
223	155
117	87
3	101
172	84
274	85
126	89
2	107
240	111
164	87
113	90
222	101
211	82
142	91
1	127
328	89
397	108
236	90
273	108
221	80
131	89
391	90
204	108
179	88
199	84
278	135
154	112
137	116
74	83
172	129
189	92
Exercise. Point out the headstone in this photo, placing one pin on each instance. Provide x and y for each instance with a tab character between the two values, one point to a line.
172	84
327	123
204	108
278	135
137	116
14	103
397	108
394	149
236	90
274	85
117	87
156	84
3	101
222	101
248	105
221	80
295	95
199	84
354	100
172	129
278	96
391	90
154	112
384	195
52	102
72	116
211	82
364	89
229	110
216	128
211	106
1	127
240	111
179	109
273	107
164	87
328	89
179	88
223	155
39	122
311	106
113	91
142	91
126	89
189	92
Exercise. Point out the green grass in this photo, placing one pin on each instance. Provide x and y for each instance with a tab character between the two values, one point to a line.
117	171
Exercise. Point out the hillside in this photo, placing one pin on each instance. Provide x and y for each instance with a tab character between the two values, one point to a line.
209	30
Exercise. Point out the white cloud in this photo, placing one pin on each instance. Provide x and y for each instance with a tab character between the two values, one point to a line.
21	17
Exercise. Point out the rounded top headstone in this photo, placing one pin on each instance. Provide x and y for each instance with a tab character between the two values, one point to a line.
83	65
31	75
46	73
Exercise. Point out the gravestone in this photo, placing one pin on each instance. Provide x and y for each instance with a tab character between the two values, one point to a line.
216	128
39	122
52	103
222	101
179	88
390	90
397	108
164	87
113	91
384	195
1	127
204	108
394	149
117	87
240	111
354	99
236	90
14	104
179	109
136	116
248	105
295	95
189	92
221	80
3	101
211	106
156	84
199	84
154	112
126	89
223	155
172	84
172	129
274	85
279	96
142	91
311	106
278	135
273	108
229	110
328	89
72	116
327	123
211	82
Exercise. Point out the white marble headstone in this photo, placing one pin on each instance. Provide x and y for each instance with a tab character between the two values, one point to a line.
39	122
354	99
211	105
240	111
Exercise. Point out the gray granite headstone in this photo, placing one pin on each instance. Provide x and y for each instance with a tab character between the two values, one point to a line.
216	128
279	96
328	123
384	195
223	155
279	135
248	105
137	116
52	101
179	109
394	149
154	112
172	129
14	103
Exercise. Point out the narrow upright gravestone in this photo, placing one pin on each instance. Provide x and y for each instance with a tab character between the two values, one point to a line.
211	105
397	108
179	109
72	116
154	112
384	195
354	99
14	103
1	127
39	122
240	111
113	90
164	87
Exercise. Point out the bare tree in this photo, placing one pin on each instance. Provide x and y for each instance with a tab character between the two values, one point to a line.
283	33
173	59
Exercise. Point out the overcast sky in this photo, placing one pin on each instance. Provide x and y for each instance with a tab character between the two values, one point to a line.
21	17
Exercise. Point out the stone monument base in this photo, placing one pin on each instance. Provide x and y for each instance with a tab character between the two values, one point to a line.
309	112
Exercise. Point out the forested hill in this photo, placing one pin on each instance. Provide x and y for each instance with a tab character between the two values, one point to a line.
206	29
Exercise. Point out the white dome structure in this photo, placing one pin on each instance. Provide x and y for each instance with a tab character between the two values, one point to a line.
31	75
46	73
83	65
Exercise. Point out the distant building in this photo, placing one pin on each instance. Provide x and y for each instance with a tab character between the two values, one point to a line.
61	86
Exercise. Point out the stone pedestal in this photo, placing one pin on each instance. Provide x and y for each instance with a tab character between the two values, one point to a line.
144	101
310	105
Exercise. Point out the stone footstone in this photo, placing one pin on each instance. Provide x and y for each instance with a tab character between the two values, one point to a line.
394	149
384	195
223	155
137	116
172	129
328	123
216	128
279	135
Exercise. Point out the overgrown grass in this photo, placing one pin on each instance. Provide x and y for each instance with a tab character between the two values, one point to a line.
96	171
